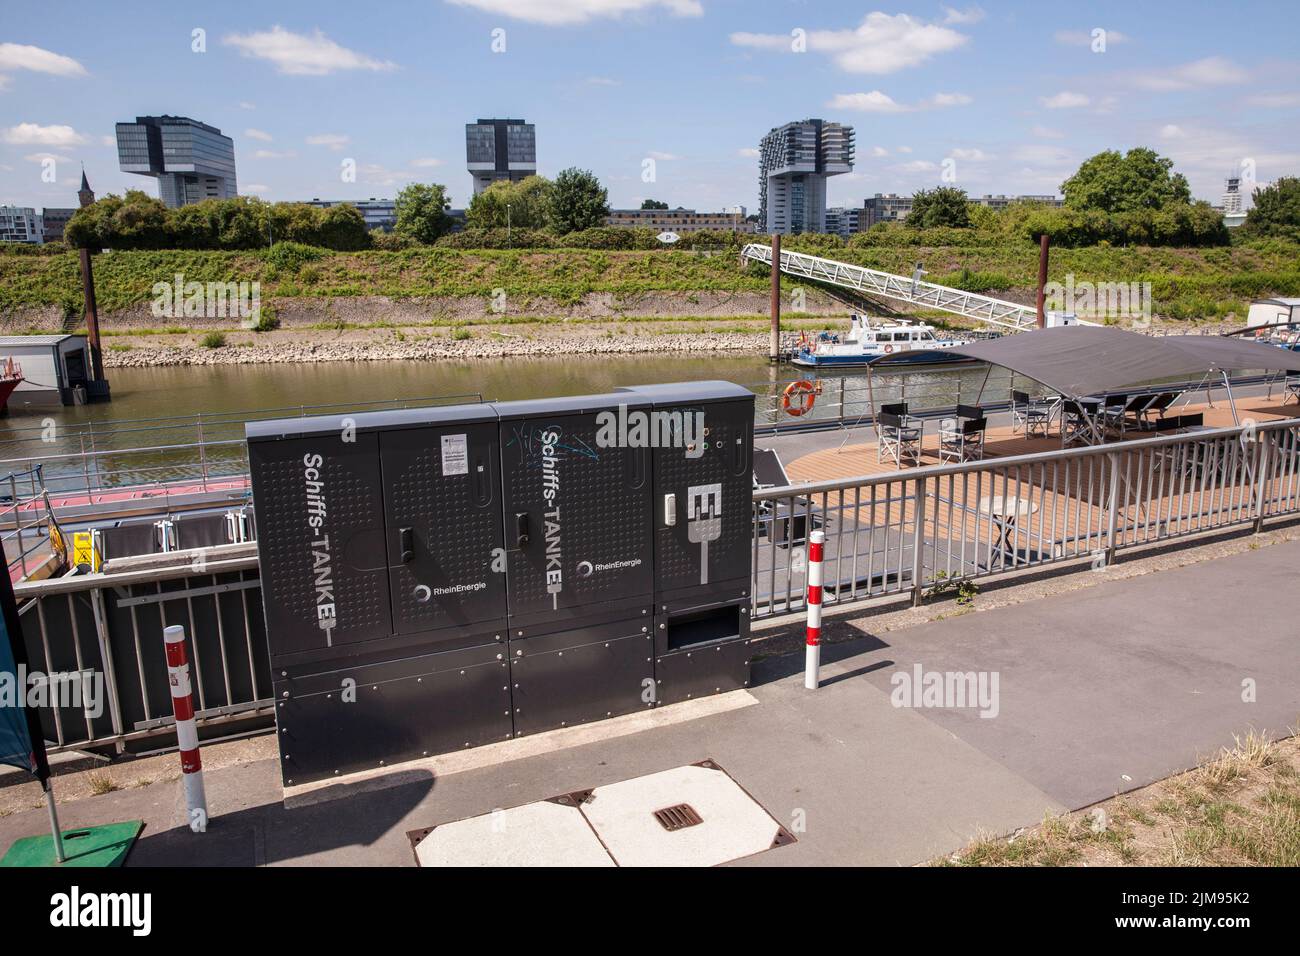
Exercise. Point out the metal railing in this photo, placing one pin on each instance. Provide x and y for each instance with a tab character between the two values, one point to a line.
971	305
927	530
909	532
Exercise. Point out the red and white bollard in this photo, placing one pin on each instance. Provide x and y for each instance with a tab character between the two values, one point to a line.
187	733
813	652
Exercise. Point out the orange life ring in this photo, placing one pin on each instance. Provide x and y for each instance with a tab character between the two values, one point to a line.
799	397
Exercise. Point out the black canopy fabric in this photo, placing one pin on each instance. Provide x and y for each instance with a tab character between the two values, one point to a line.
1081	360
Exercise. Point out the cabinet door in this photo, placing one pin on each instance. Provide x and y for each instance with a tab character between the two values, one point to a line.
445	564
577	518
705	491
320	518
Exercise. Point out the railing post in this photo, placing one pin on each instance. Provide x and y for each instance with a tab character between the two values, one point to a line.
1112	506
918	541
110	671
843	413
1261	479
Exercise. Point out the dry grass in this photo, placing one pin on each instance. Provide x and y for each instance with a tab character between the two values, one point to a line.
101	782
1240	808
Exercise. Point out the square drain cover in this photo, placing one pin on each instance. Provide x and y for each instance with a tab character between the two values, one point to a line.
687	816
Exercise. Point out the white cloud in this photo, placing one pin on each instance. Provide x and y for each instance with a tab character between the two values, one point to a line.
43	157
561	12
971	155
1047	132
1199	74
1065	100
256	188
258	134
905	149
334	141
301	55
1085	38
1274	100
426	162
750	152
879	151
880	44
107	140
969	15
873	102
1171	131
273	154
17	56
602	81
663	157
245	105
878	102
31	134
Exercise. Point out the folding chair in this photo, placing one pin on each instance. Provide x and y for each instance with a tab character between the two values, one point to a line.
1076	424
1157	408
1029	415
1292	385
962	439
899	439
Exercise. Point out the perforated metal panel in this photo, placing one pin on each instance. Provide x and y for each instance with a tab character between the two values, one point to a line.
586	514
334	572
444	526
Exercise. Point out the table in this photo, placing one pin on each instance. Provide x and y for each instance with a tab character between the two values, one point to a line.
1005	510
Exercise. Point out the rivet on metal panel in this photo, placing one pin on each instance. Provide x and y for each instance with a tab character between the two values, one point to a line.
284	693
519	653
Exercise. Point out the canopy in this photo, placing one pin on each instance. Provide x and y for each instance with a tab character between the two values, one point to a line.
1082	360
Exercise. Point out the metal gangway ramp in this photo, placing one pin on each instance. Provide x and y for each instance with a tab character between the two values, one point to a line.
999	312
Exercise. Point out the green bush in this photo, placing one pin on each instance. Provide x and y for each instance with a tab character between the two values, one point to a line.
213	340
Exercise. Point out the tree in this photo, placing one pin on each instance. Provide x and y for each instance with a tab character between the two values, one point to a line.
942	206
653	204
343	227
528	202
579	202
1138	179
1276	211
422	212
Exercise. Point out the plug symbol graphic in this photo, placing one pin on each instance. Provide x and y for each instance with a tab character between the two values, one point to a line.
704	521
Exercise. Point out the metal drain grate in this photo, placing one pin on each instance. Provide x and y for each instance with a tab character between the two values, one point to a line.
678	817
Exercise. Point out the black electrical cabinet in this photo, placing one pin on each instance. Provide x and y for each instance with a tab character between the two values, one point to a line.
440	578
381	581
703	494
579	569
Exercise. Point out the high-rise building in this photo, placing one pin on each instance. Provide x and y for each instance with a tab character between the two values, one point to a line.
20	224
378	213
500	149
1232	197
794	161
192	161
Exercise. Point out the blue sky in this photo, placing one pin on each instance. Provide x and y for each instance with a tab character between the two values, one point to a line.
1008	97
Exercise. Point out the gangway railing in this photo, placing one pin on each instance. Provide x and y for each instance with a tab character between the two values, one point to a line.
970	305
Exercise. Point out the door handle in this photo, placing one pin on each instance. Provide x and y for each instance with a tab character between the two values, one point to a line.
521	529
406	543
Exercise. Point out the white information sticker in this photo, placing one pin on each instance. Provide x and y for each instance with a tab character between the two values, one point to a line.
455	456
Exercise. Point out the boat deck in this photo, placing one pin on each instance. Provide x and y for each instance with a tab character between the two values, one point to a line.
1060	507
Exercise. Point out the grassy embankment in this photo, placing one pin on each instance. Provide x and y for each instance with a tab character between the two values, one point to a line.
541	285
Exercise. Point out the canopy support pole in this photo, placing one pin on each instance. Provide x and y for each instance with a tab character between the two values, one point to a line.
979	399
55	832
1232	402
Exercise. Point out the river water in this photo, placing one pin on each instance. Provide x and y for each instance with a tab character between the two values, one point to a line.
227	395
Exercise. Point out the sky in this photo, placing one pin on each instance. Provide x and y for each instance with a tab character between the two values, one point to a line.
662	99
